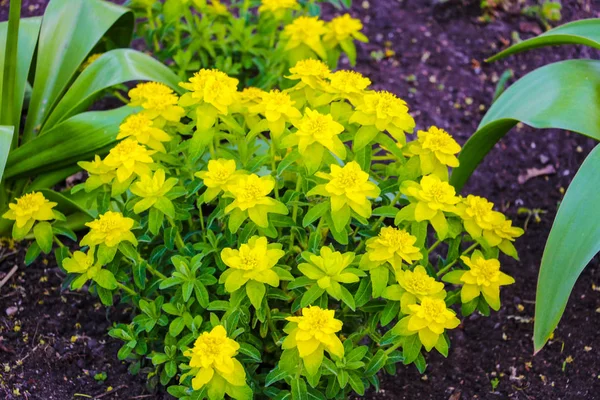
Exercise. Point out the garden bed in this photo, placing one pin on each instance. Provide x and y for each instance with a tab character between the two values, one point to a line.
54	345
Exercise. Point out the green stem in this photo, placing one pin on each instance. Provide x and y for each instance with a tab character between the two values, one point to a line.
154	272
447	267
274	168
125	288
394	347
295	212
433	246
153	28
178	240
61	244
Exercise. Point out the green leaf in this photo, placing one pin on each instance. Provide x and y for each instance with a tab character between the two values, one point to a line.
176	326
347	298
385	211
275	375
125	65
411	348
105	279
70	30
299	390
356	383
6	135
364	136
256	292
44	236
250	351
573	241
585	32
376	363
155	220
315	213
33	251
562	95
391	310
379	279
311	295
288	160
76	139
27	39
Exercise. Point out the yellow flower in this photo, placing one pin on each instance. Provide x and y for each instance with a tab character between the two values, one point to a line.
83	264
219	176
90	60
144	91
110	229
349	85
392	245
153	189
278	108
342	28
278	7
429	320
483	277
129	157
210	86
28	209
218	8
316	132
253	264
312	334
213	355
330	269
433	197
251	199
412	286
386	112
311	72
306	31
347	186
480	220
436	150
140	128
250	96
99	173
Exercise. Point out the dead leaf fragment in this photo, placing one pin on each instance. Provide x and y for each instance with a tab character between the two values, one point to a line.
535	172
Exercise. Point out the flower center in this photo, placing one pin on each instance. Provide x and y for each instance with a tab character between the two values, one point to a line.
249	262
251	192
486	269
221	175
348	179
437	141
210	346
395	237
318	127
432	308
439	192
29	203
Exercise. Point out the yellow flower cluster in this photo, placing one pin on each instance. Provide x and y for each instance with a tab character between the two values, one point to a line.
28	209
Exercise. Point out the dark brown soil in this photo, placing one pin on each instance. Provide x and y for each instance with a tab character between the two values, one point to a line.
439	68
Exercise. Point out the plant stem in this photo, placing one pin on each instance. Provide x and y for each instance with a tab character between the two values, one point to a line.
60	244
394	347
125	288
178	240
447	267
295	213
154	272
433	246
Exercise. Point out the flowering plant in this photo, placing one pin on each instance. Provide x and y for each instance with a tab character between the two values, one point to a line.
286	242
255	42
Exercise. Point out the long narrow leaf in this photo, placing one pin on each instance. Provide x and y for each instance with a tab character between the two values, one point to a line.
585	32
9	69
112	68
70	30
574	240
6	135
68	142
563	95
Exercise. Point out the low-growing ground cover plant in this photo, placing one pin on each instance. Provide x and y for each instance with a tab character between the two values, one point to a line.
280	243
253	41
562	95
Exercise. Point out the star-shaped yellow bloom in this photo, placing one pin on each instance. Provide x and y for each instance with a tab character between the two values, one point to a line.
110	229
312	334
28	209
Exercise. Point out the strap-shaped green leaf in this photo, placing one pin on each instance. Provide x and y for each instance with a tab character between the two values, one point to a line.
29	29
6	135
562	95
112	68
76	139
574	240
585	32
70	32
